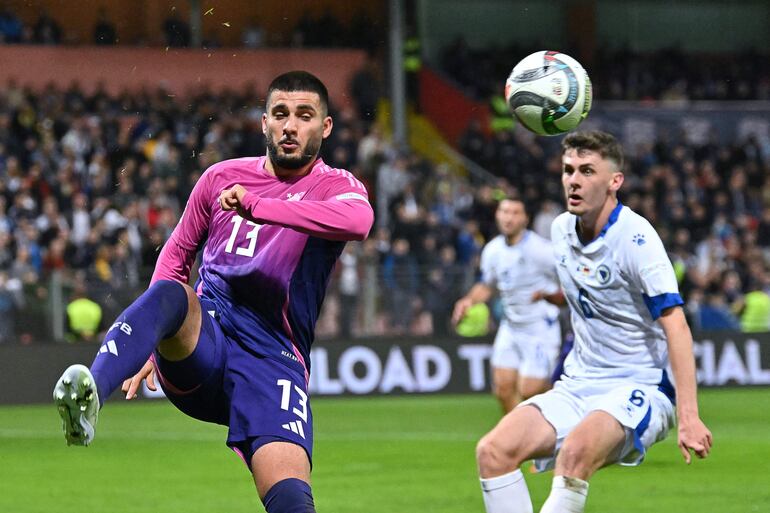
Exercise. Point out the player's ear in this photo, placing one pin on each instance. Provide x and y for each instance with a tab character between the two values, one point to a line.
617	181
327	126
264	123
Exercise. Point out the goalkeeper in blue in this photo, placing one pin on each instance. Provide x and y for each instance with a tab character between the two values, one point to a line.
615	398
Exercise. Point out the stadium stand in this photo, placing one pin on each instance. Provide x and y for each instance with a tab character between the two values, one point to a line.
91	185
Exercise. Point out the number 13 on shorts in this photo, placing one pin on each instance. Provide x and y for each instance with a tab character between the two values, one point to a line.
298	397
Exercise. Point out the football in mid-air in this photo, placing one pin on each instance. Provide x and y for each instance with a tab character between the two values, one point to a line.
549	92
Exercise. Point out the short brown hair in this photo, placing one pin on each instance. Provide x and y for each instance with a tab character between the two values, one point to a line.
595	140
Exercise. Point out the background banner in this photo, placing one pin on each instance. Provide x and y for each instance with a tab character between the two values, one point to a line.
391	366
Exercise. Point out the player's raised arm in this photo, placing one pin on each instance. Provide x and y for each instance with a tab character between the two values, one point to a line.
344	216
693	434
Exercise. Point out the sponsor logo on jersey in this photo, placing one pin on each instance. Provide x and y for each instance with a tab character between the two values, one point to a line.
295	196
639	239
289	355
584	269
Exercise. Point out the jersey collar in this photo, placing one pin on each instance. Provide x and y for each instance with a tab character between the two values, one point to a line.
518	244
612	220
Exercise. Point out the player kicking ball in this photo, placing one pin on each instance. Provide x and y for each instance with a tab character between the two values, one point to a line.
615	398
235	349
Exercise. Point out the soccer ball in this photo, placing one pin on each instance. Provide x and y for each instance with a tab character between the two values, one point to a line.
549	92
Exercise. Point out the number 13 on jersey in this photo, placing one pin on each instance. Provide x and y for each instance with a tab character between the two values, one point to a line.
251	237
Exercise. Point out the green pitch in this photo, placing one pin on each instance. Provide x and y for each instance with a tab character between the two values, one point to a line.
388	455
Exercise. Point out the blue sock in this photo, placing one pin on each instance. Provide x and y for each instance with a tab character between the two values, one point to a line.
289	496
154	316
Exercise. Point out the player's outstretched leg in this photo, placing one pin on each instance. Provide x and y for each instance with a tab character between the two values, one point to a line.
156	315
282	474
77	400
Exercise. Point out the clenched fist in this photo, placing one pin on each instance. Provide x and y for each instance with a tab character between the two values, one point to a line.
230	199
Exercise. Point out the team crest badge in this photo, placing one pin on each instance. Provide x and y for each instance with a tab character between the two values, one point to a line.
603	274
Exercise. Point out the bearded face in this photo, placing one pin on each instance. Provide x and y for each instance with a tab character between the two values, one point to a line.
294	125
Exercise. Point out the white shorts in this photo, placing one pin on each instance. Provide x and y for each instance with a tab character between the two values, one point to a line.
532	350
644	410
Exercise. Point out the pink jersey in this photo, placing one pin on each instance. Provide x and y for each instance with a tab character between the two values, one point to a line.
267	272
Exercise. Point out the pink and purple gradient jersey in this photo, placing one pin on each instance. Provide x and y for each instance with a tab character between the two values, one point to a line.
267	272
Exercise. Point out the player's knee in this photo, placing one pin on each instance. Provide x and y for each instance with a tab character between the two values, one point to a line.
503	386
494	460
289	496
575	458
503	393
532	389
170	293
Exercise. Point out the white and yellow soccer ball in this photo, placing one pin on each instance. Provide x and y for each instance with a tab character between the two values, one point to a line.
549	92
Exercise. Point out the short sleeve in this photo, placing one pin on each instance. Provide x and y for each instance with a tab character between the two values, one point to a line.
488	276
652	270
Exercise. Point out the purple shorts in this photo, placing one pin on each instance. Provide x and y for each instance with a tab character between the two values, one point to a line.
259	399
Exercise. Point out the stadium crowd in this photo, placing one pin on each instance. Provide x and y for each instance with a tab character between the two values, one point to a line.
91	186
319	31
623	74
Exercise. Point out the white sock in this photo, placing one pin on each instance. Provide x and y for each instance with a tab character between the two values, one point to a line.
506	494
568	495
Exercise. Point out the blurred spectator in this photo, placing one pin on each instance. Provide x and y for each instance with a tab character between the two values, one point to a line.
400	276
11	301
46	30
11	28
176	31
392	179
84	316
253	35
469	242
349	286
104	31
473	143
445	280
364	88
714	314
754	310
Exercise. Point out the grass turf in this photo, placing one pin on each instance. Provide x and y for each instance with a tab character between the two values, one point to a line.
374	455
